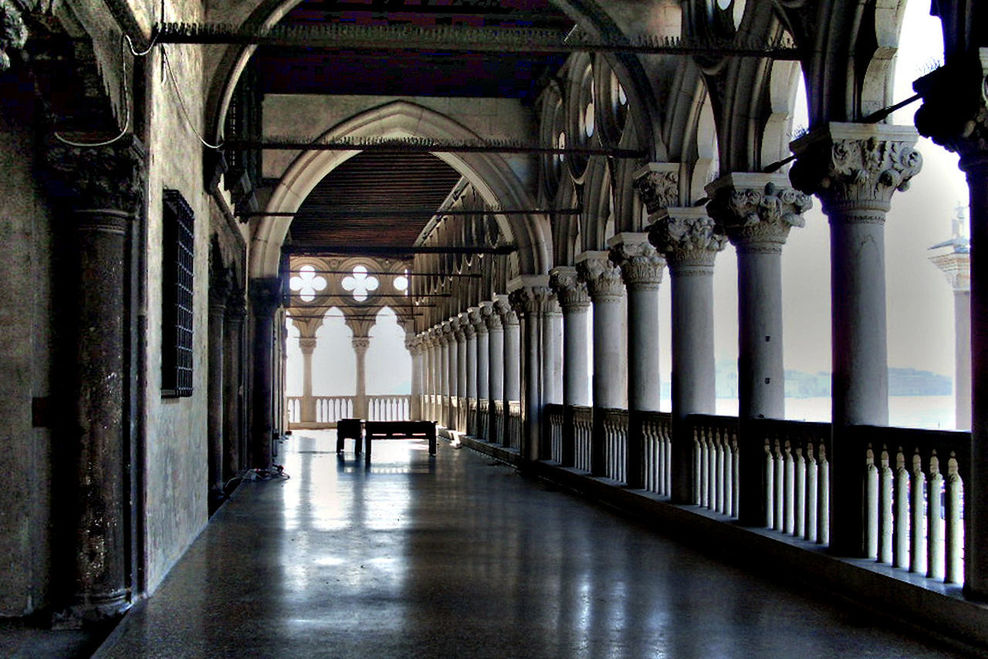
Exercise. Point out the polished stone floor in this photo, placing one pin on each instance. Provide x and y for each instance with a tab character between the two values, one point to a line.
461	557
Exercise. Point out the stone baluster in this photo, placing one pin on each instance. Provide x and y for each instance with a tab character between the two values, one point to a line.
854	169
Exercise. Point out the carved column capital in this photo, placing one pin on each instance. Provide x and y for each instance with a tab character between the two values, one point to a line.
602	277
641	264
413	344
99	178
307	344
236	306
508	316
457	329
466	326
570	290
658	185
489	312
360	344
856	167
265	296
954	113
757	210
13	32
477	320
687	237
530	300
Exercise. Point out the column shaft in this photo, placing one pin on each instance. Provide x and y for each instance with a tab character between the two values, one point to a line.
233	407
215	390
264	298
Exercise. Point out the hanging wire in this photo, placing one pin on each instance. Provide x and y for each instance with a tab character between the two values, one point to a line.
123	62
181	104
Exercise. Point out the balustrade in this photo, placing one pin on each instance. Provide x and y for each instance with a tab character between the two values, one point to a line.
388	408
555	418
914	502
715	463
614	426
293	407
582	437
657	451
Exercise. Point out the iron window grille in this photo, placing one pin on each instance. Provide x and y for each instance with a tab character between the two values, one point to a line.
178	255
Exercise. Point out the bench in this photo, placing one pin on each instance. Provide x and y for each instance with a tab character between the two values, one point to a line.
399	430
349	429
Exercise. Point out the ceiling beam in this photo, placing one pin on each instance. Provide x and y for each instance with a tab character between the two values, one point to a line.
378	250
404	213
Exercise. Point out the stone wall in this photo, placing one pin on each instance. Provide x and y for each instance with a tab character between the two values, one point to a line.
25	364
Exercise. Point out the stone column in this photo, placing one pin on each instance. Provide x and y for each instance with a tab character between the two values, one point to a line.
641	269
495	358
429	352
307	345
414	346
233	406
956	267
529	295
219	290
458	390
552	354
105	193
481	359
854	169
265	295
690	242
444	340
360	345
575	302
512	358
467	372
603	280
757	211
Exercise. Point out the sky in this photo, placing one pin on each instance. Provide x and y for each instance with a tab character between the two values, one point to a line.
919	299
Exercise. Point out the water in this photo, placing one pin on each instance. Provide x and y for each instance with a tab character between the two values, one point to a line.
930	412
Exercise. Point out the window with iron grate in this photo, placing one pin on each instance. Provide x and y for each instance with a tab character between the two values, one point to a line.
177	284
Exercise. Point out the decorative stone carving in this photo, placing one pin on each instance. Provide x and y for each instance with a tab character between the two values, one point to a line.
360	344
856	166
602	277
658	185
466	326
504	310
755	214
641	264
457	326
13	32
307	344
236	306
475	314
265	296
570	290
491	317
99	178
954	113
529	300
687	236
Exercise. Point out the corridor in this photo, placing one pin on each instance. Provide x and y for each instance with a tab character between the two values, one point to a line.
462	557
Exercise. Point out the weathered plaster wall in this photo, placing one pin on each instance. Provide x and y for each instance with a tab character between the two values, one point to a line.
25	353
312	115
176	468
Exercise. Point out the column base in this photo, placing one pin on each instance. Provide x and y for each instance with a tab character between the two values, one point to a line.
92	610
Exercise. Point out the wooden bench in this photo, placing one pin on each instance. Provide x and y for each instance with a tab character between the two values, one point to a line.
349	429
399	430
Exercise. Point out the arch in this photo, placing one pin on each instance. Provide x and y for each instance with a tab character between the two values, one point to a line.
489	174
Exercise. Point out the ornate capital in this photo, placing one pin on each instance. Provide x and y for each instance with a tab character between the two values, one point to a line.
641	265
466	326
413	344
265	296
99	178
687	237
503	307
236	306
757	210
360	344
658	185
13	32
491	317
307	344
570	290
602	277
954	113
855	167
475	314
530	300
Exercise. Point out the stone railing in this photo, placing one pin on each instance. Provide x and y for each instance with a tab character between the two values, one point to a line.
483	418
293	408
657	451
582	434
498	435
555	419
715	462
514	425
614	440
794	477
914	498
389	408
330	409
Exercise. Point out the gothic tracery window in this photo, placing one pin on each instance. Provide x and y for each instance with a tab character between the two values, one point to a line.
360	284
307	283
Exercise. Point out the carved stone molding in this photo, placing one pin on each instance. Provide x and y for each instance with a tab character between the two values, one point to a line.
954	113
756	211
571	291
641	264
688	238
99	178
658	185
602	277
13	32
856	166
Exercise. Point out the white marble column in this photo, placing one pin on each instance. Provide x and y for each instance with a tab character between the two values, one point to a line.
445	337
469	370
552	353
854	169
690	242
575	302
481	358
415	403
360	345
460	332
512	351
529	296
495	360
955	264
307	346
